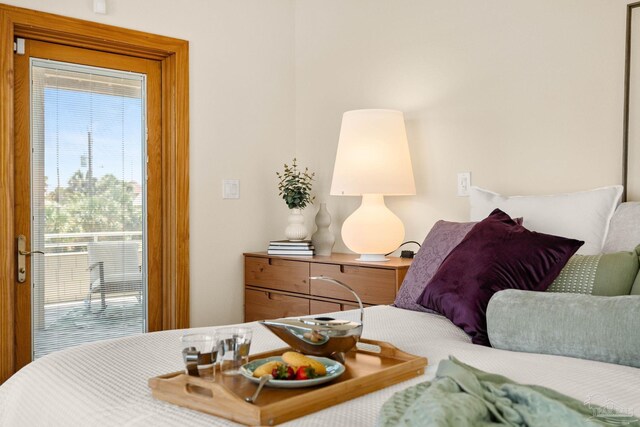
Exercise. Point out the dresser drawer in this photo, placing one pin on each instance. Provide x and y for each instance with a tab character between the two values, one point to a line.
261	305
274	273
277	286
373	285
320	307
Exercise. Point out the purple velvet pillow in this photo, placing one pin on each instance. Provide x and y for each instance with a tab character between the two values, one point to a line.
496	254
442	239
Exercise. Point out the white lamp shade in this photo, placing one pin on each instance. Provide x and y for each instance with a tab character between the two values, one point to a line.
373	155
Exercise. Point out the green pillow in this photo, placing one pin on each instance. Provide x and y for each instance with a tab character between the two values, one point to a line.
635	290
603	274
584	326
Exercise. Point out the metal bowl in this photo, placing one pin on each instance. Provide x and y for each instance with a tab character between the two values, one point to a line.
320	336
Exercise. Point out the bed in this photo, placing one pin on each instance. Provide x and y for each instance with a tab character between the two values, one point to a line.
105	383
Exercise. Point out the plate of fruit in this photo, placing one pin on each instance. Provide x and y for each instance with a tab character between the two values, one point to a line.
293	370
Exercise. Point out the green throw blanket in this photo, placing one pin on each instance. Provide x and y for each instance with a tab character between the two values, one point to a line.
463	396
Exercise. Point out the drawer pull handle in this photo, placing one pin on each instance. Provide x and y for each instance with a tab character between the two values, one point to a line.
270	261
342	269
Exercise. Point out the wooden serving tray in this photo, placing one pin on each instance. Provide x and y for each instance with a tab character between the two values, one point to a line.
368	370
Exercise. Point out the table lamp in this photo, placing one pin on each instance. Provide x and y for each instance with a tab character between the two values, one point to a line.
373	161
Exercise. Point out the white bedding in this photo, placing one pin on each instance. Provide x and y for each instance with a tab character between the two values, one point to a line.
105	384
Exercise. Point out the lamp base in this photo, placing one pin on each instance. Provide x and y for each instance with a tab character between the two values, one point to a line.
372	230
372	258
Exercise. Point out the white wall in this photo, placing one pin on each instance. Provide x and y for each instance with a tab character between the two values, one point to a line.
525	95
241	113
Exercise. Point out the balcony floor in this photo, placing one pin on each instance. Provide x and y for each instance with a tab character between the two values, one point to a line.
70	324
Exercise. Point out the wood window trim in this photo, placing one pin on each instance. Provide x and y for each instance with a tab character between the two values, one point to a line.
173	55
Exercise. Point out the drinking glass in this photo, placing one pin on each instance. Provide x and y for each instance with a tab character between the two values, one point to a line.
234	349
200	352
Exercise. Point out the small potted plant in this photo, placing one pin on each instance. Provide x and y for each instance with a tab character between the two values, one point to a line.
295	190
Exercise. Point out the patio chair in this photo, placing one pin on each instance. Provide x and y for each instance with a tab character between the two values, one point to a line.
113	268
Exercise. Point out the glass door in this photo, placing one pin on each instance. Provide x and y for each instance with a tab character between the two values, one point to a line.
88	204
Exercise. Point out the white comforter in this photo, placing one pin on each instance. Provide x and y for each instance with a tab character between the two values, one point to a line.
105	384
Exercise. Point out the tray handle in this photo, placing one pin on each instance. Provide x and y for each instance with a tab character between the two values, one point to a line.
381	348
199	392
204	391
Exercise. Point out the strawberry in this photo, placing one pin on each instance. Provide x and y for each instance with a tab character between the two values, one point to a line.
305	373
283	372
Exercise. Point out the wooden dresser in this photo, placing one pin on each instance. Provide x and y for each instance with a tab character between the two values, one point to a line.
279	286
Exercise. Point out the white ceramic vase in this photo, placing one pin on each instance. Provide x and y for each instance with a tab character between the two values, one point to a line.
295	229
323	240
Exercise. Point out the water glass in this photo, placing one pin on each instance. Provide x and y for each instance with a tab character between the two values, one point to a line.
234	349
200	352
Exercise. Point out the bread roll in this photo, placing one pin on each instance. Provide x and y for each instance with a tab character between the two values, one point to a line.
296	360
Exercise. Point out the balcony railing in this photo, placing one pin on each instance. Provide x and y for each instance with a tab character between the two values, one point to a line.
53	241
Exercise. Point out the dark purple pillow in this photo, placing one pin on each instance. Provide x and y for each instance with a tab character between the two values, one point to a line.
496	254
441	240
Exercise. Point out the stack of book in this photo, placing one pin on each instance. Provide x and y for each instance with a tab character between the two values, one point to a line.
289	248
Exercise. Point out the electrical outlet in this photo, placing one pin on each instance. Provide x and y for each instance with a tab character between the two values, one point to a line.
464	183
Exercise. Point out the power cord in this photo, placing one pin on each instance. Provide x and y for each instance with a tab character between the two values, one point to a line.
405	254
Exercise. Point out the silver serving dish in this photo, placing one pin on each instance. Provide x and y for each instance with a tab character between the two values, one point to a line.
320	336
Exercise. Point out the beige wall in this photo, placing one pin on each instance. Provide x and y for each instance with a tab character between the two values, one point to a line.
525	95
242	109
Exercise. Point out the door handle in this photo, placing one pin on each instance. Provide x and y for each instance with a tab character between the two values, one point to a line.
22	261
24	253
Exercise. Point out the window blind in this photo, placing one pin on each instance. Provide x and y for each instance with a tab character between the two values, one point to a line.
88	192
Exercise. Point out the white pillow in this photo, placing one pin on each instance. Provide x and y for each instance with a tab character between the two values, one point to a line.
584	215
624	232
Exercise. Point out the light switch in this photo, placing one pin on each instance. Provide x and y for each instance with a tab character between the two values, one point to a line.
100	6
231	189
464	182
